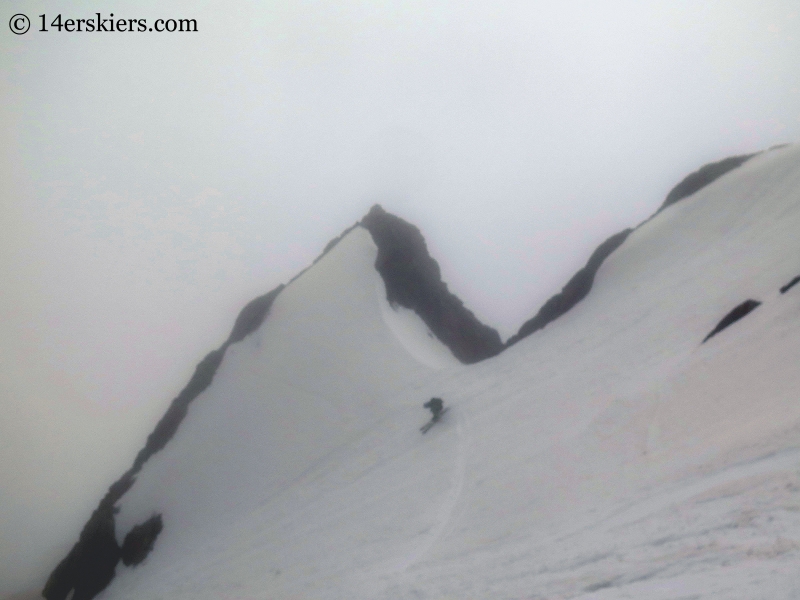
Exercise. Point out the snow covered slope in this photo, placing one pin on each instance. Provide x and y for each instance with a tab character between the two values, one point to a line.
322	369
611	454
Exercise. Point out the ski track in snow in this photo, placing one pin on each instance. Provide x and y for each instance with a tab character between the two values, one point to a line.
447	507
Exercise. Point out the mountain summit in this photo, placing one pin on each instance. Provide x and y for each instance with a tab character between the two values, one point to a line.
614	448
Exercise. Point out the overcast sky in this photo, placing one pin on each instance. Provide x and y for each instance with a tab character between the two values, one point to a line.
153	183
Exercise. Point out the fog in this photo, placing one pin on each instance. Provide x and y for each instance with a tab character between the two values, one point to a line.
156	182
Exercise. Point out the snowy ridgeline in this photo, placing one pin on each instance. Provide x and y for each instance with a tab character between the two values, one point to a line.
610	455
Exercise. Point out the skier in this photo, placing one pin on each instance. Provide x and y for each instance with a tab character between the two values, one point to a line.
435	405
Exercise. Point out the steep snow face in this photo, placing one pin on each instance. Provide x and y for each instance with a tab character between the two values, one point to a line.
624	459
322	369
608	455
602	456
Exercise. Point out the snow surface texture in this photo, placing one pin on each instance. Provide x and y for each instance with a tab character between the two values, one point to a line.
610	455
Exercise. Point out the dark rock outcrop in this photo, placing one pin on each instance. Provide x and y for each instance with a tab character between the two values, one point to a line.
737	313
328	247
252	315
790	285
413	280
332	244
140	540
581	283
169	423
576	289
702	177
90	565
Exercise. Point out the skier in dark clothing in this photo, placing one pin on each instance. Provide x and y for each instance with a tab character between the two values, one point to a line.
435	405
